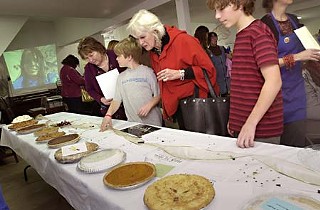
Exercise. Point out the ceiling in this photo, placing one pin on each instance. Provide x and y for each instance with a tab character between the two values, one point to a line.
58	9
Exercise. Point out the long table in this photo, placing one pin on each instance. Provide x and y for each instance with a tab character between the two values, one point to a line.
236	179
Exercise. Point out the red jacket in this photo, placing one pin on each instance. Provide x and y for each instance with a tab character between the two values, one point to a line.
181	52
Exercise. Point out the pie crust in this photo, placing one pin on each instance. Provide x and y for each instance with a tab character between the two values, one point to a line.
179	192
49	136
16	126
30	128
46	131
63	141
129	175
91	147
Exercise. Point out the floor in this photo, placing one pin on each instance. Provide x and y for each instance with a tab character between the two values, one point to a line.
35	194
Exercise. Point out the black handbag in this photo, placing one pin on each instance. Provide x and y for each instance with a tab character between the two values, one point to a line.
206	115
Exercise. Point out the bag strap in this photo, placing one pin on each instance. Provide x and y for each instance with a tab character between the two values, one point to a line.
211	90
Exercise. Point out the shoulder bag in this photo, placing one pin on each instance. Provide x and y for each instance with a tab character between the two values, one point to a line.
206	115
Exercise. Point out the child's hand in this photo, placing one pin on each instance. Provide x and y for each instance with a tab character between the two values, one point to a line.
144	110
106	123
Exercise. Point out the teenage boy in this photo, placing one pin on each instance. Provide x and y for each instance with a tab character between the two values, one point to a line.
256	112
136	87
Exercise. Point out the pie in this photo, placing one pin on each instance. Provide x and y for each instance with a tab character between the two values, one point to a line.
283	201
30	128
129	175
91	147
46	130
179	192
21	118
19	125
49	136
63	140
101	161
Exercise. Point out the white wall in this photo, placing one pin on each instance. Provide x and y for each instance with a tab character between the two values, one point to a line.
32	34
9	29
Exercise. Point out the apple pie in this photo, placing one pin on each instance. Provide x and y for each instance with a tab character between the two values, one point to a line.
179	192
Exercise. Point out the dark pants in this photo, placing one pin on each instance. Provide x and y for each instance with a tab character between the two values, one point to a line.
74	104
179	118
294	134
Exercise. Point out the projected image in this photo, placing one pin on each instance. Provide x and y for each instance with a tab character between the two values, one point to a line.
34	67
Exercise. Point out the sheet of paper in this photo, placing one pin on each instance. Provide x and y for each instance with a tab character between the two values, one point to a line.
107	83
306	38
74	149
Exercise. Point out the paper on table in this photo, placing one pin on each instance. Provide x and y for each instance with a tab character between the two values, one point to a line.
107	83
306	38
74	149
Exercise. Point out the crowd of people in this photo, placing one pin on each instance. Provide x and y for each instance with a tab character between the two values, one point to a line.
273	82
268	100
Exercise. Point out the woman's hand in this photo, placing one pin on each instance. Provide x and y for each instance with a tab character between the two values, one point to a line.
168	74
309	54
105	101
106	123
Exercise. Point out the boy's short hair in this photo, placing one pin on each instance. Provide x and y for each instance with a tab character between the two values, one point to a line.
248	5
88	45
129	47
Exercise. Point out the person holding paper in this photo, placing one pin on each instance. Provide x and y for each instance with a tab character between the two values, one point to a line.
100	60
137	88
290	53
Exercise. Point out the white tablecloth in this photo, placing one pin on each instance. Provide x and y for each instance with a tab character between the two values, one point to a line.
235	181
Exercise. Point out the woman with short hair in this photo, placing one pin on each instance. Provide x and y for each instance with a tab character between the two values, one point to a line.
177	59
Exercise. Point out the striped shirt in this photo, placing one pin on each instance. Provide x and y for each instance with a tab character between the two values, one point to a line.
254	48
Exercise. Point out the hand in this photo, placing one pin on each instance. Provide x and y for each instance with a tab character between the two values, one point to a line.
144	110
246	136
106	123
105	101
231	132
309	54
168	74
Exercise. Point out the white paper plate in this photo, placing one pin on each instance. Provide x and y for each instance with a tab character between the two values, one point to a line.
101	160
282	201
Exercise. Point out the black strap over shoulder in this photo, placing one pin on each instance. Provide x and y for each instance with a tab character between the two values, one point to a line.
211	94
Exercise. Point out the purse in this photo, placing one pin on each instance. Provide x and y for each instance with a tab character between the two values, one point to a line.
85	96
206	115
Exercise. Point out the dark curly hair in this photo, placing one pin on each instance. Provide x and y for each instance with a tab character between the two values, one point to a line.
71	60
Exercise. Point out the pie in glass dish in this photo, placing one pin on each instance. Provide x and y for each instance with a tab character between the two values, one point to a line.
179	192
